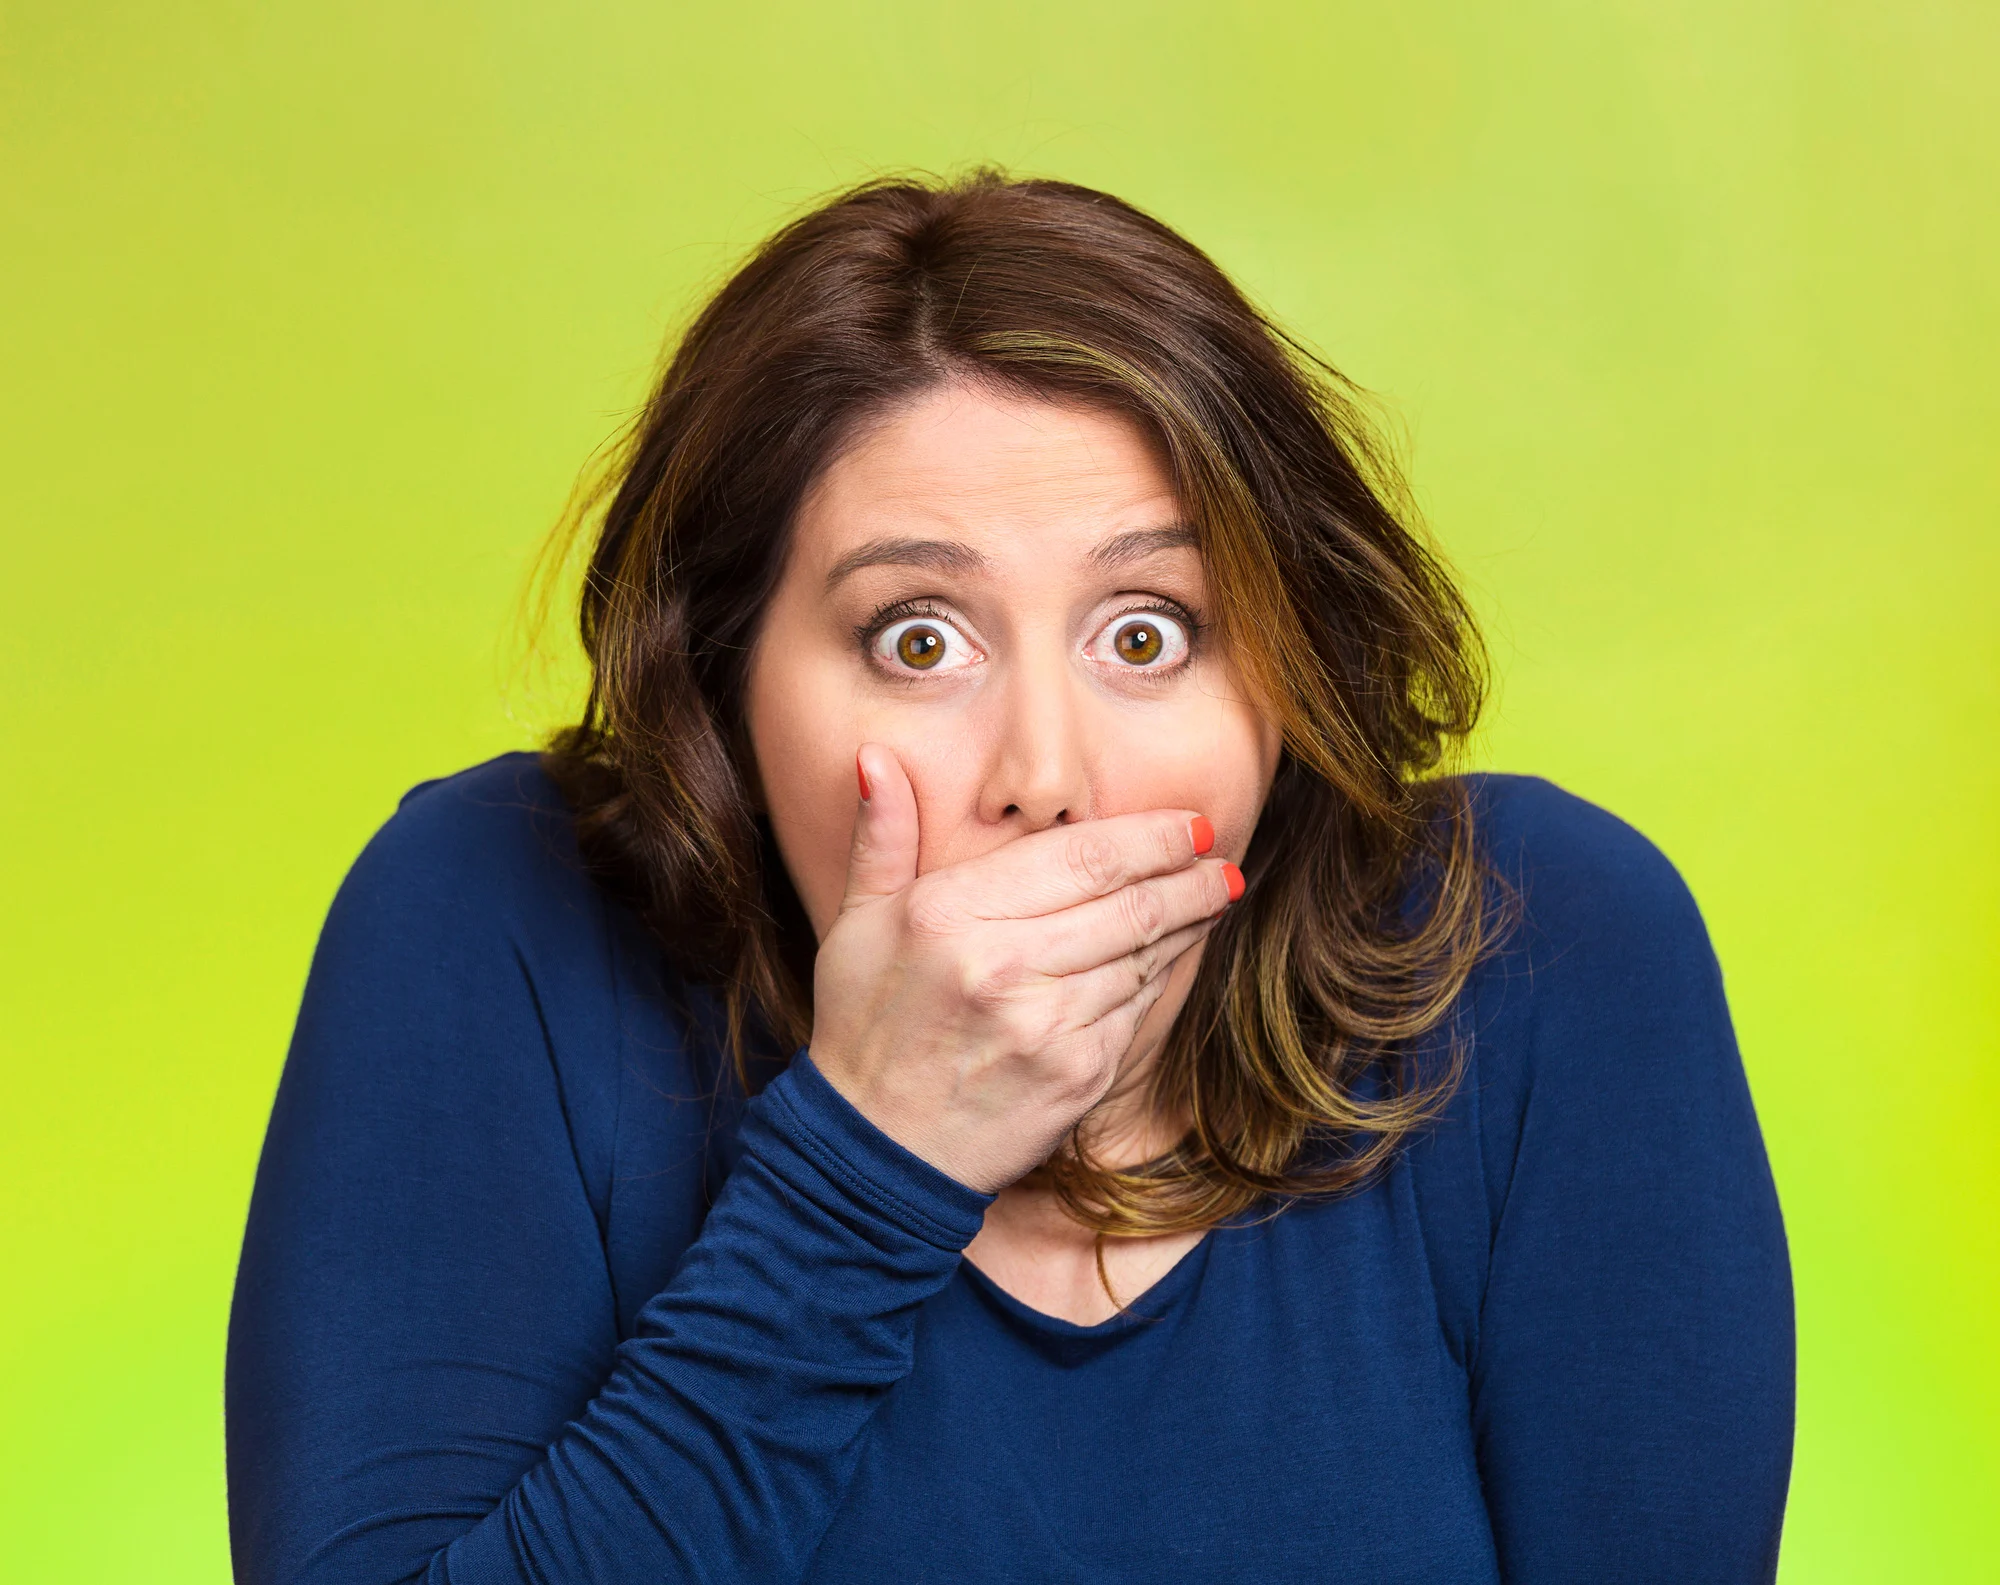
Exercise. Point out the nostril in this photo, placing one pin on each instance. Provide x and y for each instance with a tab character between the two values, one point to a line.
1062	817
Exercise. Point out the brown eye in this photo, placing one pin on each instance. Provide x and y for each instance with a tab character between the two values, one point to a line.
1139	643
920	646
1149	641
931	645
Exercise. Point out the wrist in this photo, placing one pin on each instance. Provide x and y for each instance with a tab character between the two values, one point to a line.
850	1146
976	1149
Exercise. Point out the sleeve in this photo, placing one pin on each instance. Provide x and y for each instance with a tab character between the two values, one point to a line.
1633	1381
425	1381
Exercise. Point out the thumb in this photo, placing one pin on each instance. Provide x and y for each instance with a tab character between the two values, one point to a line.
884	857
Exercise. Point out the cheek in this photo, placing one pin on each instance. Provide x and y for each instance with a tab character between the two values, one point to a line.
944	758
803	735
1216	756
807	721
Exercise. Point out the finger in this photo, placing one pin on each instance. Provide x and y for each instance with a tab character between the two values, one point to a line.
1132	917
883	859
1067	865
1097	993
1115	1031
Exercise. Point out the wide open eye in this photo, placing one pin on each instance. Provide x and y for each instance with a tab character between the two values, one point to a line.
922	644
1148	640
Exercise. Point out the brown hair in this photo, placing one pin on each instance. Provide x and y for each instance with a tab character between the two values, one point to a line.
1293	1055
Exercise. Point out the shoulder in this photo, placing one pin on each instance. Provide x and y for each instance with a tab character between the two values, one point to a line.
471	969
471	908
475	893
481	871
1601	1064
1532	828
1603	995
473	885
1582	880
492	842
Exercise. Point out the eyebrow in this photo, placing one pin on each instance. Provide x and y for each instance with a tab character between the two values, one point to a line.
949	555
1123	549
941	555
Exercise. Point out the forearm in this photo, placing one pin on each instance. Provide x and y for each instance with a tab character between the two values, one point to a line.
725	1436
398	1434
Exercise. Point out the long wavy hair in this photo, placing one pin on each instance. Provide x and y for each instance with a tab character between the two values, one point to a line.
1367	904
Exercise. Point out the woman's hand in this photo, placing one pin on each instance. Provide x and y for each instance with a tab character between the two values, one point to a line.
975	1013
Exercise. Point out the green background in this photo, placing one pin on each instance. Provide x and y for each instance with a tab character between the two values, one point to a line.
311	314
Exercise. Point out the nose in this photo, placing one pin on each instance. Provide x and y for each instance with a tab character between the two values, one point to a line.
1038	775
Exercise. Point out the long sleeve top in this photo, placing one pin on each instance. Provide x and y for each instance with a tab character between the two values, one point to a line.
532	1294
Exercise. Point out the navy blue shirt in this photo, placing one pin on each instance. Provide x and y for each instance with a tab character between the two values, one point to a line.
530	1293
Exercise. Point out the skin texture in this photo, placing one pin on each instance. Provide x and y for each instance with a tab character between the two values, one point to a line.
1009	923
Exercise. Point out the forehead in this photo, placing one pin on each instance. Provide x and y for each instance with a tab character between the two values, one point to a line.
996	471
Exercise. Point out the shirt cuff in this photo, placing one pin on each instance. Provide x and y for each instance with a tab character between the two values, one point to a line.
824	1126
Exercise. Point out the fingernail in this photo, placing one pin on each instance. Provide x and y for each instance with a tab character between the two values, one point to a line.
1232	877
861	774
1202	832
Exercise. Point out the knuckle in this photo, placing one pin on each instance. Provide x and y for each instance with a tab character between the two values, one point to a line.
1039	1028
1074	1021
1093	859
988	980
1146	910
1076	1074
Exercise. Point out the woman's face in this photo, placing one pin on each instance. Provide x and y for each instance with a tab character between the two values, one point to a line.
1001	591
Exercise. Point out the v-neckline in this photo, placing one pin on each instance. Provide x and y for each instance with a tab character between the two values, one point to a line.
1150	1304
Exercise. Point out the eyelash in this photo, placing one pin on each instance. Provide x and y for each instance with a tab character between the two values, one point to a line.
865	633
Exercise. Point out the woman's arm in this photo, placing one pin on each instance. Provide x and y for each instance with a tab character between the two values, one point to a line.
425	1381
1632	1381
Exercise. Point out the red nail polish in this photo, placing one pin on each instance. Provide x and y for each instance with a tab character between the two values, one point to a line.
861	775
1233	878
1202	832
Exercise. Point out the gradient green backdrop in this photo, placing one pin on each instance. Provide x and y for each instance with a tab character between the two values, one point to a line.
311	313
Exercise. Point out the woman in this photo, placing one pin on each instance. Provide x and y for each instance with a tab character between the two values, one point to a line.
990	1053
